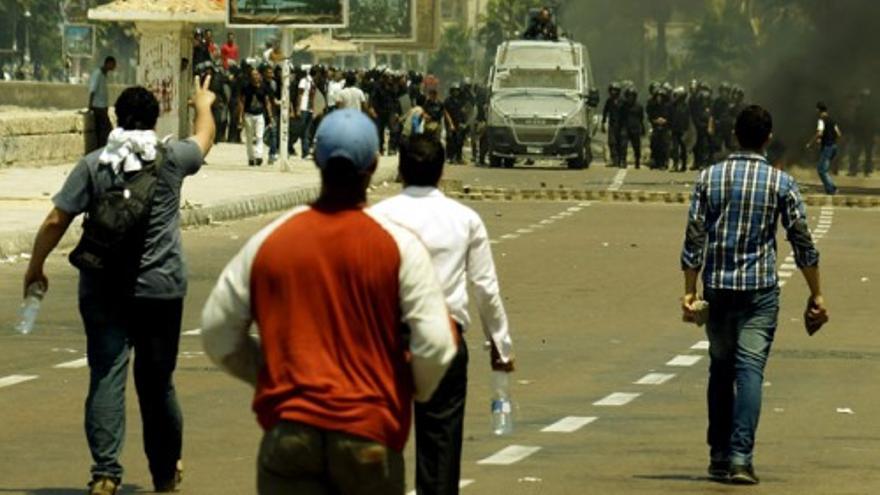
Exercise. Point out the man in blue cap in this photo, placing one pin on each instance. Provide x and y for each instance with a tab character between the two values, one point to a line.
331	287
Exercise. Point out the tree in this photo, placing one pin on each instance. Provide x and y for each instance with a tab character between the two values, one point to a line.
452	60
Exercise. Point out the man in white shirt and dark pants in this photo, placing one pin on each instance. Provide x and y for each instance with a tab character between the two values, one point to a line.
459	246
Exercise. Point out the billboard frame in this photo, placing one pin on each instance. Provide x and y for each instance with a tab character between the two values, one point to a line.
414	25
428	34
293	25
64	45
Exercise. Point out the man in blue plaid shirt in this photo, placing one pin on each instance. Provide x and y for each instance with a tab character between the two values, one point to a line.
731	237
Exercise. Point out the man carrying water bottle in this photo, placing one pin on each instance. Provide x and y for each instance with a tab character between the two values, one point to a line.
458	243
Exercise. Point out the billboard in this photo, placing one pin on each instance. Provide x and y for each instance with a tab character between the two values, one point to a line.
292	13
386	21
78	40
428	29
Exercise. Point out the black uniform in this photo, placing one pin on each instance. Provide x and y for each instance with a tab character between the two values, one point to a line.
864	129
701	116
658	110
723	137
455	106
481	108
384	101
632	118
611	113
679	122
538	30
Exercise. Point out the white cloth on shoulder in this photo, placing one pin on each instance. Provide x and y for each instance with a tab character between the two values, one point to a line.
126	149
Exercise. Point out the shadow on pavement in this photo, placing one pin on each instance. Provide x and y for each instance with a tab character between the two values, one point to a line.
677	477
124	489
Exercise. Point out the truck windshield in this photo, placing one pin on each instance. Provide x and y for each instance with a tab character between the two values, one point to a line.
552	55
566	80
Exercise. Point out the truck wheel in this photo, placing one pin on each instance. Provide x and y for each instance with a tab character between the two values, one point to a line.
508	162
578	163
495	161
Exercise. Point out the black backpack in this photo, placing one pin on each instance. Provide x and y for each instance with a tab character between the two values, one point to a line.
115	224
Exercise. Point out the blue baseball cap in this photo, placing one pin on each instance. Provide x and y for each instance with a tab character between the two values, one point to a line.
348	134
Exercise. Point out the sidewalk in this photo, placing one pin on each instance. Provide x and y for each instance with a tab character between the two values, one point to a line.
225	189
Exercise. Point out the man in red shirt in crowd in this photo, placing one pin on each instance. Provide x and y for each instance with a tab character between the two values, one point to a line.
229	50
352	327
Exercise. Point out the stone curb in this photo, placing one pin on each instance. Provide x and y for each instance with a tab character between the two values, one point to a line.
15	243
630	196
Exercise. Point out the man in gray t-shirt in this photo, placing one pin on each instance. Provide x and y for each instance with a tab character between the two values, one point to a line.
120	312
99	101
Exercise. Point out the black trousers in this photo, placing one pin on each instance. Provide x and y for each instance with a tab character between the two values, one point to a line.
103	126
439	431
679	150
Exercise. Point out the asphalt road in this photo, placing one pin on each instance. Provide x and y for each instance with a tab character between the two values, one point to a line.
592	291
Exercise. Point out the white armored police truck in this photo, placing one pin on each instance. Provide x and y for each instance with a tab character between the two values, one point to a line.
541	104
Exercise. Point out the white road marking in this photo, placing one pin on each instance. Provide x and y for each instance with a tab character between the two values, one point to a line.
569	424
8	381
789	258
702	345
76	363
655	379
684	360
546	221
616	399
617	183
524	231
558	217
785	274
461	484
788	266
782	283
509	236
820	231
574	209
509	455
494	241
197	331
584	204
565	214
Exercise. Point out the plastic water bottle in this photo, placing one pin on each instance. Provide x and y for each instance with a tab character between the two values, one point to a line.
502	407
30	307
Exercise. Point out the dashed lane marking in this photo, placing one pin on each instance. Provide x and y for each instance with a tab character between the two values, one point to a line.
617	182
509	455
76	363
569	424
785	274
788	266
546	221
189	333
524	231
702	345
8	381
510	236
782	283
655	379
574	209
684	360
616	399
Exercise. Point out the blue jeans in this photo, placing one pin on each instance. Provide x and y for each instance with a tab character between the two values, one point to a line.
114	325
826	156
741	327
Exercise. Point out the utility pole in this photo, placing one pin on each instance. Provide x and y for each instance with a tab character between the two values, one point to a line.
284	115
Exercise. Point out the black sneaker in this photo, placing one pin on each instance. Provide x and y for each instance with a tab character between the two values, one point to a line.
169	486
251	163
743	475
719	470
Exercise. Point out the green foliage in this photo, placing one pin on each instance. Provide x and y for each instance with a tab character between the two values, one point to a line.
453	59
370	17
722	44
504	20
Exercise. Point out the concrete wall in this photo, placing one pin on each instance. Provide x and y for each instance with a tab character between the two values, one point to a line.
37	138
40	95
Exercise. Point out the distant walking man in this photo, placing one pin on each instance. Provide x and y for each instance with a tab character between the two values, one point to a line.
141	308
459	246
351	319
99	101
827	135
731	237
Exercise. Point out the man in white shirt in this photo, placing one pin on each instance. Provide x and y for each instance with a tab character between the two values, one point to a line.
334	86
459	246
304	108
351	96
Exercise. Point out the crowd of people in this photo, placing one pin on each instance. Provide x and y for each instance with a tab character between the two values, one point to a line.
671	113
401	103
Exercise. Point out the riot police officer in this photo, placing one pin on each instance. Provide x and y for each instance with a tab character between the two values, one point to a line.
542	27
864	130
632	117
658	110
701	116
455	106
481	118
611	121
384	103
721	114
679	123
